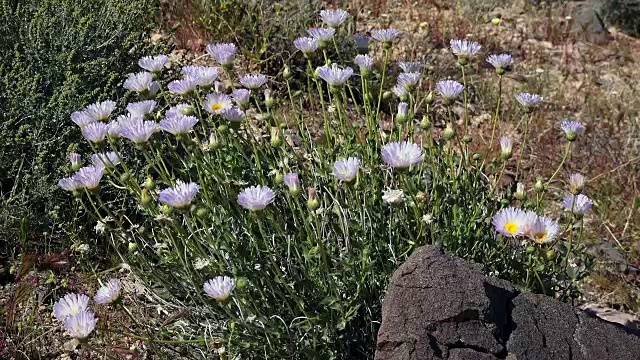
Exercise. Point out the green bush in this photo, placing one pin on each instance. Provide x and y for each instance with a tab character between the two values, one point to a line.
56	56
624	14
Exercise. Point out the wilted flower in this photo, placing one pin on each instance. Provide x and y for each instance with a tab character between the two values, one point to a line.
542	230
95	132
576	183
141	108
180	196
223	53
512	222
334	18
180	109
70	304
292	181
385	35
233	115
464	49
506	146
409	80
334	75
138	130
183	86
89	176
322	35
362	43
100	111
401	155
201	75
142	83
217	103
499	62
108	293
529	101
80	325
410	66
106	160
393	197
253	81
365	62
153	64
241	97
220	287
572	129
81	118
69	184
75	159
256	197
449	90
306	45
178	124
346	169
578	204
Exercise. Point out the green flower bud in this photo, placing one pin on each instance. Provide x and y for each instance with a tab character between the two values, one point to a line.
505	202
145	197
222	129
467	139
449	132
387	95
276	140
132	247
530	249
241	283
287	72
149	183
186	111
476	157
425	123
550	255
202	212
429	98
279	178
297	93
539	186
312	200
166	209
125	176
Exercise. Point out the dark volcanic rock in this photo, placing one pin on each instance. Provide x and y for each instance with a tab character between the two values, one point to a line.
440	307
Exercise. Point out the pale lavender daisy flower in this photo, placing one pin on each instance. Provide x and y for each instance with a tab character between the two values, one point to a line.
256	197
322	35
450	90
306	45
217	103
223	53
572	129
410	66
180	196
362	43
403	111
576	183
108	293
141	108
80	325
506	146
101	111
527	100
107	160
253	81
542	230
220	287
180	109
500	62
385	35
464	48
346	169
82	118
365	62
292	180
70	304
512	222
578	204
114	129
142	83
138	130
95	132
334	75
334	18
75	159
89	176
409	80
154	64
400	91
201	75
178	124
183	86
401	155
241	97
69	184
233	115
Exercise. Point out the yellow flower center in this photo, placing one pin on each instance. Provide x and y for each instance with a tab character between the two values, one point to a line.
539	236
511	227
216	107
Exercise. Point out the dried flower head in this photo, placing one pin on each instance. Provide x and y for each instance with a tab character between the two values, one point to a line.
70	304
256	198
346	169
80	325
334	75
334	18
108	293
401	155
577	204
253	81
220	287
576	183
178	124
101	111
153	64
106	160
217	103
141	108
307	45
179	196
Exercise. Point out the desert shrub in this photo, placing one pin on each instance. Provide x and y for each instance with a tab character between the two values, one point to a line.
56	56
280	243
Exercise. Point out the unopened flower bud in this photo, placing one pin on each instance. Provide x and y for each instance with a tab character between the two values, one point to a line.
550	255
312	200
520	192
268	100
189	110
276	140
76	161
202	212
425	123
149	184
476	157
279	178
222	129
241	283
145	197
530	249
132	247
166	209
287	72
496	21
539	186
297	93
387	95
467	139
429	98
449	132
125	176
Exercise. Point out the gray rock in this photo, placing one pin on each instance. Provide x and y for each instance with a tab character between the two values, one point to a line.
589	26
440	307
